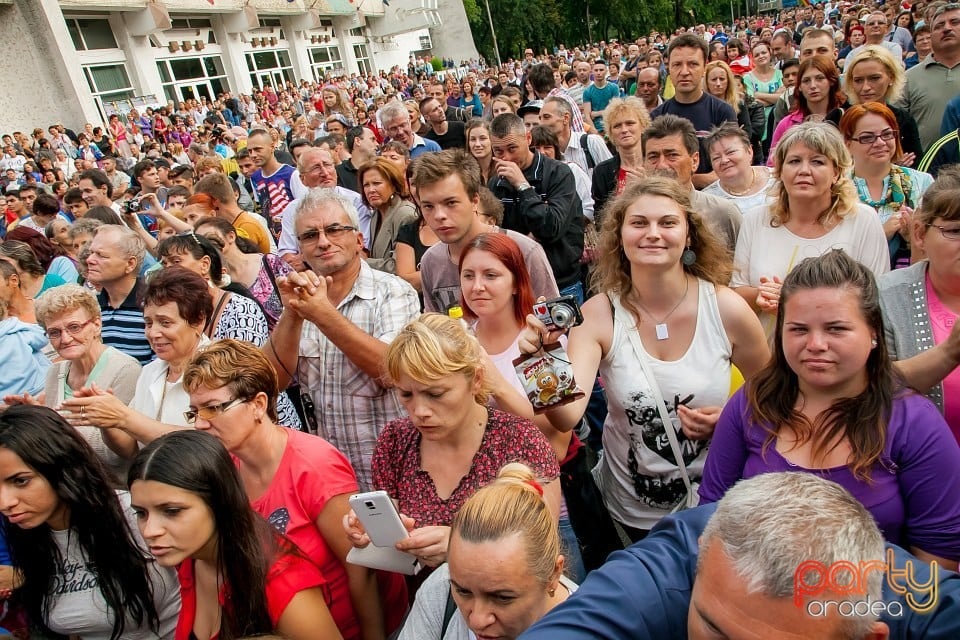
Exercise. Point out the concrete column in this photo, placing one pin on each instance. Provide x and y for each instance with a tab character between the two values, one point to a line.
232	56
297	47
141	61
453	39
345	40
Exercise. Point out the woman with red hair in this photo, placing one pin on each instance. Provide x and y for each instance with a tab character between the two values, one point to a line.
872	135
496	295
815	95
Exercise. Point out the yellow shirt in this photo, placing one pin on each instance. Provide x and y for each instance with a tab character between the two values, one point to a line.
248	227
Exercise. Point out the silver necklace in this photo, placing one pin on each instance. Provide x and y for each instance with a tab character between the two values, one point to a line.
661	325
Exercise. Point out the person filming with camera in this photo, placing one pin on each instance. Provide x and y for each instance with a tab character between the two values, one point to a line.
663	333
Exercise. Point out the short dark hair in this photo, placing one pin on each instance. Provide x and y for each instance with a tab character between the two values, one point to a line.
243	154
178	190
354	134
688	41
541	78
787	64
188	290
46	205
296	143
98	178
141	167
668	125
505	124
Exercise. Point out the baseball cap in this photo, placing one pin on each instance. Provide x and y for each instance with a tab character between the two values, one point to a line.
534	106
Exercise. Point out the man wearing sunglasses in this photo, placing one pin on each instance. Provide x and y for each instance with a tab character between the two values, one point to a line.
339	316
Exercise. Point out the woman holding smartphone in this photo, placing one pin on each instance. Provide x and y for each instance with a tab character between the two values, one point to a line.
451	443
237	575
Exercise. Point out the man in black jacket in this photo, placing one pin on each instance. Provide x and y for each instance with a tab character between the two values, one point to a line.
539	197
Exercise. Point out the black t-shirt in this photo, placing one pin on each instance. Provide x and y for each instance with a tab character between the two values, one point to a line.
705	114
454	138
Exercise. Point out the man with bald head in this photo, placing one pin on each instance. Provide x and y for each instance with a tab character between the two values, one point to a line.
317	170
271	179
648	88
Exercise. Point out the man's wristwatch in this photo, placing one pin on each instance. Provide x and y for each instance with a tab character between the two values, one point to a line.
523	186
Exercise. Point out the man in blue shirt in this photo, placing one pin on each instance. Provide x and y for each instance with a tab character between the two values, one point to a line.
730	570
396	122
598	95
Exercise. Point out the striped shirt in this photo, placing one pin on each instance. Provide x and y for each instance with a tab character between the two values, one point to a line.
123	327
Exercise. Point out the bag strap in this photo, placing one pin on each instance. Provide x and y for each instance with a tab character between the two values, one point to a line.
633	334
448	611
212	323
584	144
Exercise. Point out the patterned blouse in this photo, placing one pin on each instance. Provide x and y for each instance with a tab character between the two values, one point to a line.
264	290
398	471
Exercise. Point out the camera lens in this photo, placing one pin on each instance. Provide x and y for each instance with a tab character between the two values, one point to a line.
562	315
369	504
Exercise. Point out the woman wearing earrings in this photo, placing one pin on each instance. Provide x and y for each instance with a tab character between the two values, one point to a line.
663	335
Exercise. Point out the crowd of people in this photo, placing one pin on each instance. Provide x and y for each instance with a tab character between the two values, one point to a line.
222	319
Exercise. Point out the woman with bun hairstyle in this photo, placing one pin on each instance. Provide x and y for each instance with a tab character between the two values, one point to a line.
504	567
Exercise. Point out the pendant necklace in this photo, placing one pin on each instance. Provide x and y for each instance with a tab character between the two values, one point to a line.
661	325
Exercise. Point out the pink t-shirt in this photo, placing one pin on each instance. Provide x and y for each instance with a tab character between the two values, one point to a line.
312	472
942	321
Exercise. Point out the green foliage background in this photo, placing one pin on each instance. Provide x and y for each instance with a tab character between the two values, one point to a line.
543	24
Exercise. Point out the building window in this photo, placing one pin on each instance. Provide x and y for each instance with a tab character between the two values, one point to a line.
91	33
193	77
425	42
108	83
324	60
274	25
270	67
363	59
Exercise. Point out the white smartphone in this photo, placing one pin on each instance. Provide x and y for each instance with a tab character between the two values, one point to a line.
379	517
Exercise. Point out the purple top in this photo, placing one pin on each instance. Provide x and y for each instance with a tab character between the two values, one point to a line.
913	496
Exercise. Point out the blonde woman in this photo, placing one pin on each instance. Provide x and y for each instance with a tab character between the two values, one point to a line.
874	75
451	444
815	208
504	534
720	82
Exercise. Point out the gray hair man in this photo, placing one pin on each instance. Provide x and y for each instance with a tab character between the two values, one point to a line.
396	122
757	564
584	149
339	316
317	169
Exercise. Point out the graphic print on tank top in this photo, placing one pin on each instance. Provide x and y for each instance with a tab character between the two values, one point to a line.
647	437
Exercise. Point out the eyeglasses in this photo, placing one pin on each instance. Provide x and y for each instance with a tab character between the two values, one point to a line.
332	232
949	233
870	138
209	413
71	329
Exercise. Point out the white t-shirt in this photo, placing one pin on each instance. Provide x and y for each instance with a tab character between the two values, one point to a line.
77	605
765	250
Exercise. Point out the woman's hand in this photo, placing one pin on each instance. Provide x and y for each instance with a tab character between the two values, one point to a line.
24	399
698	424
355	531
535	334
428	544
768	298
907	159
94	406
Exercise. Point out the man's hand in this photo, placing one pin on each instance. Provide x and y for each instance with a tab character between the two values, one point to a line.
510	172
305	293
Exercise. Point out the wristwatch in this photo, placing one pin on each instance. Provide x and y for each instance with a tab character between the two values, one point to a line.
523	186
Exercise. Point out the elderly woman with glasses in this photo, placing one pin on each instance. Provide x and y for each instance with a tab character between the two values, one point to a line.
872	136
920	303
70	314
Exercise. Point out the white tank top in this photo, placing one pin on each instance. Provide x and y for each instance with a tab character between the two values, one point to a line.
637	473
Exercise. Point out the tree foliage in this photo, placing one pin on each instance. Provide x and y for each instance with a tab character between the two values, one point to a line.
543	24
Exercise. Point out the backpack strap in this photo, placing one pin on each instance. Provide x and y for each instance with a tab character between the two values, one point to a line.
448	611
584	140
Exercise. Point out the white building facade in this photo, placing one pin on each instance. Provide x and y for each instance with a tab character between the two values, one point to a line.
74	61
